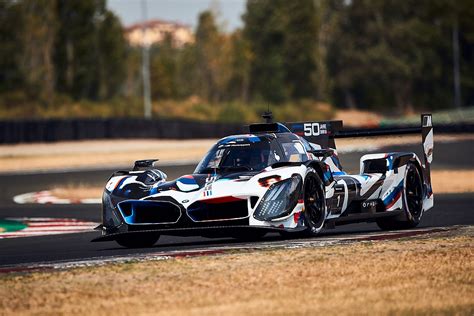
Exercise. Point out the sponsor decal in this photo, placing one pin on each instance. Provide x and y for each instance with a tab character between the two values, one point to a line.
296	217
427	121
393	196
311	129
208	186
207	191
187	183
114	183
369	204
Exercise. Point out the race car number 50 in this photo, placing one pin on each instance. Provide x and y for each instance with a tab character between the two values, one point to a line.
311	129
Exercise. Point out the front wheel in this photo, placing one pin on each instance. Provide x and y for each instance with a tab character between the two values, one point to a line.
412	202
314	204
137	240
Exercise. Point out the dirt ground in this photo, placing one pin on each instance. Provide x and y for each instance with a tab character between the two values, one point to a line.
358	118
422	276
464	181
101	153
78	192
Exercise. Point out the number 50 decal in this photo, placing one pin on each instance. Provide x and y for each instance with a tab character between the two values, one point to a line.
311	129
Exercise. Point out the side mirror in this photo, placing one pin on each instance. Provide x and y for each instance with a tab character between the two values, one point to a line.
322	153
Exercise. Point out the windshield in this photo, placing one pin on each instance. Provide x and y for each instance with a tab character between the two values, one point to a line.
240	156
294	151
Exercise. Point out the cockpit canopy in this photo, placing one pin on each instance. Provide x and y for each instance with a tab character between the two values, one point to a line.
252	153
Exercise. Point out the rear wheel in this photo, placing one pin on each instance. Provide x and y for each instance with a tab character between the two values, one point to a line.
314	204
412	202
137	240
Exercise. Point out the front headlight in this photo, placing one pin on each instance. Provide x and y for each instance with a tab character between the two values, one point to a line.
280	199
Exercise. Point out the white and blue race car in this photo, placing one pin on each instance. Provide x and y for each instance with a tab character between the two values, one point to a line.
284	178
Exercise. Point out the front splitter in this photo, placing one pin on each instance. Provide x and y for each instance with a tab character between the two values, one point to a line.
217	231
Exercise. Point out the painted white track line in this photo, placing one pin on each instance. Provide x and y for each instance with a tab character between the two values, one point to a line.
48	226
46	197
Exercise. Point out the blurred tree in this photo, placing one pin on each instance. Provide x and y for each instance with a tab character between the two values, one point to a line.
283	37
396	55
77	48
264	29
163	70
27	31
300	47
37	41
133	77
112	52
187	74
207	56
393	56
90	50
241	56
464	15
10	15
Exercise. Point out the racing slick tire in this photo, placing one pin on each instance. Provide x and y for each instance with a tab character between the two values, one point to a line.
315	210
412	202
137	240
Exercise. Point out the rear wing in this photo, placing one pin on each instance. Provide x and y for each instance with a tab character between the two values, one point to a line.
324	134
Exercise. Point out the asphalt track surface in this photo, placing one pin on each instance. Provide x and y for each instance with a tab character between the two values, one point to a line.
450	209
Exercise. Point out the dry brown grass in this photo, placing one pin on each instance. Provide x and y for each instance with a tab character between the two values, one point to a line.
100	153
420	276
78	192
358	118
452	181
62	155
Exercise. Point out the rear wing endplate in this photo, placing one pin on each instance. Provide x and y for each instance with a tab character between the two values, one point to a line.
324	134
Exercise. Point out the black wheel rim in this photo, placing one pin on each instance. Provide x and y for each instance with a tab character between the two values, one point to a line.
414	192
314	202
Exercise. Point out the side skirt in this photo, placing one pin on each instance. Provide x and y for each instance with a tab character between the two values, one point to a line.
358	218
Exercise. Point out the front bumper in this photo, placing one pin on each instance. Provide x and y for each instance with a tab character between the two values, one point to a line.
225	216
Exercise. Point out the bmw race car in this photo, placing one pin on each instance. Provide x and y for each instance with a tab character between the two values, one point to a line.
283	178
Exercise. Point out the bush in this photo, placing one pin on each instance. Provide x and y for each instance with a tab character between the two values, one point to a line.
17	105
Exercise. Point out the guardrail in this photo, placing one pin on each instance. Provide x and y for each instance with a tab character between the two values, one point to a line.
52	130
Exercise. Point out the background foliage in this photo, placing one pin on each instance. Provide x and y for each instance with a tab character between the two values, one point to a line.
62	58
